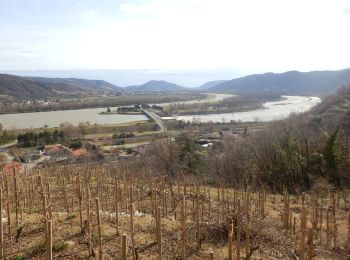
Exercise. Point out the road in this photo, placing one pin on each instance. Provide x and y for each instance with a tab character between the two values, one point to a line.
156	118
8	145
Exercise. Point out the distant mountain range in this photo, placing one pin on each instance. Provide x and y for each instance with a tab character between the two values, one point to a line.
25	88
157	86
318	83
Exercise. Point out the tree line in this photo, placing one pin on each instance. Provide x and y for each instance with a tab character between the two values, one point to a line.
32	139
6	138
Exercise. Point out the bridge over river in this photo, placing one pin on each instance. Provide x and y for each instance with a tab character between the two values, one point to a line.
156	118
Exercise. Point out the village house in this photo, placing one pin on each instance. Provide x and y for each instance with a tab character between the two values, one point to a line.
30	157
57	152
80	152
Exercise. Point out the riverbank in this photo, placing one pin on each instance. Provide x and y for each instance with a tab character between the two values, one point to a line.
120	113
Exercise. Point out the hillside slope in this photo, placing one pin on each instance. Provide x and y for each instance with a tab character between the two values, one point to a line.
318	83
211	84
25	88
333	110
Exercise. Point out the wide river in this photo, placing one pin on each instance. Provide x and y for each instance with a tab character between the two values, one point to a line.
55	118
272	111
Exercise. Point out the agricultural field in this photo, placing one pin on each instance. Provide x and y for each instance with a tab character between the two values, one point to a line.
109	212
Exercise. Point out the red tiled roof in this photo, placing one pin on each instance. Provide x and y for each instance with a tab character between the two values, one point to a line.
9	168
54	148
79	152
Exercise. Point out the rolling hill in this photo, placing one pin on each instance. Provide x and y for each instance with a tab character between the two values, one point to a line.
156	86
26	88
318	83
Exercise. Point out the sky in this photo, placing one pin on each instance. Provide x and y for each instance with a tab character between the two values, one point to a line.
242	36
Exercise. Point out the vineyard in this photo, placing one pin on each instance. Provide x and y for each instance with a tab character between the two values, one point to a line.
101	212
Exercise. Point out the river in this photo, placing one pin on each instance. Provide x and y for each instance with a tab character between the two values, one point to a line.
55	118
272	111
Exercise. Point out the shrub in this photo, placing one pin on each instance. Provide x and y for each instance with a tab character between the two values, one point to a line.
76	144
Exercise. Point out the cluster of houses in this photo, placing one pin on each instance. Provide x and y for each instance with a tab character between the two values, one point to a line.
51	153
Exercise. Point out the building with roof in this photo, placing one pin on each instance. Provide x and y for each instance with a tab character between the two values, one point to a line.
80	152
58	152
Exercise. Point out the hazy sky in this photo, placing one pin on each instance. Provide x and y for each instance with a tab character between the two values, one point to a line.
247	35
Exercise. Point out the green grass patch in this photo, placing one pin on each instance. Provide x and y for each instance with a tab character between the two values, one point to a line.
102	135
59	246
146	133
70	216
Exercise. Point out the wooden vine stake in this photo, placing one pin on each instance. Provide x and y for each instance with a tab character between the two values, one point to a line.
198	235
159	233
80	198
16	197
230	236
334	222
49	240
8	211
88	219
310	243
1	229
247	226
132	223
321	220
294	225
238	223
116	207
46	218
302	228
348	225
124	246
327	228
99	229
49	199
183	228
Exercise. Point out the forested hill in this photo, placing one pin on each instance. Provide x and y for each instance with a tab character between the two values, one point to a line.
26	88
318	83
